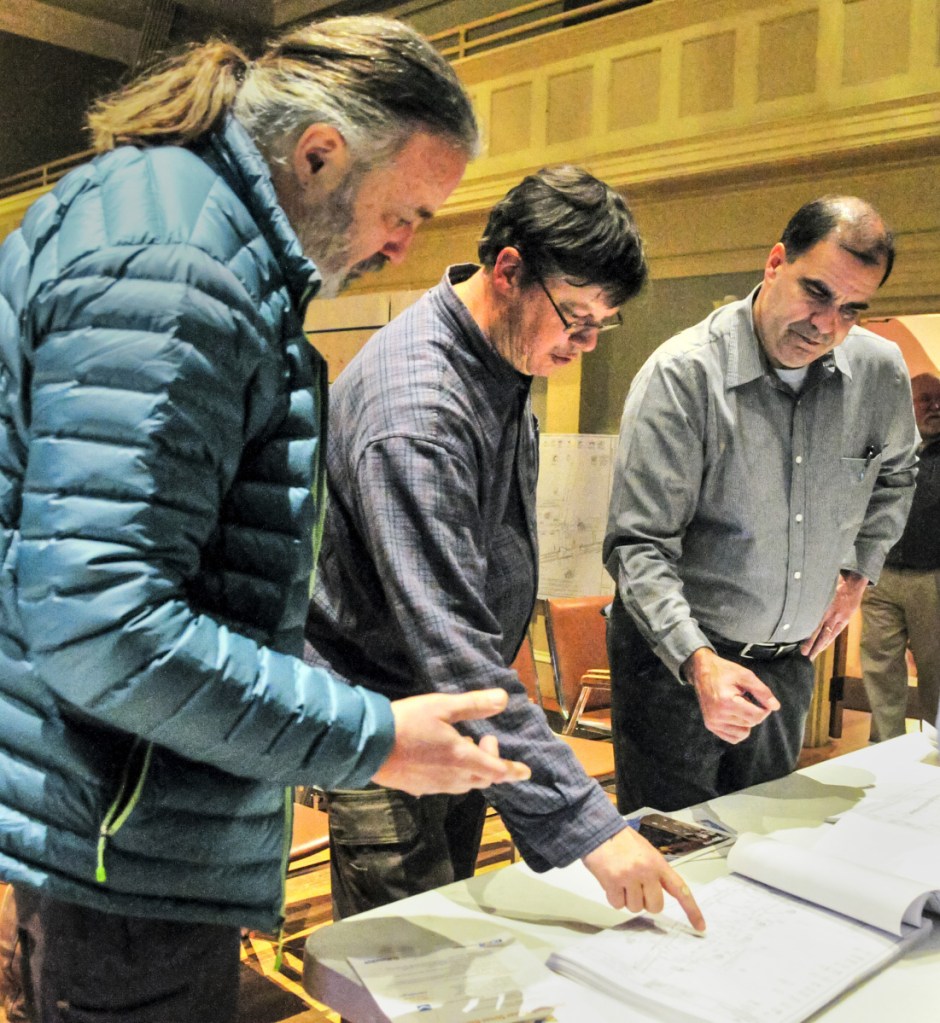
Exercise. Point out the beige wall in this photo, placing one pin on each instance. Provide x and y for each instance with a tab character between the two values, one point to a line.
717	118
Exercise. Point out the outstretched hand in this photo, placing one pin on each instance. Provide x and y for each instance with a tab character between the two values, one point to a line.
634	876
431	756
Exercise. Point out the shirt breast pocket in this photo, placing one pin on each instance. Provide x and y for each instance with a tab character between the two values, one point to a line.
853	490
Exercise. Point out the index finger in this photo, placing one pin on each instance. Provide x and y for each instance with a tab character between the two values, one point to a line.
478	703
757	693
681	892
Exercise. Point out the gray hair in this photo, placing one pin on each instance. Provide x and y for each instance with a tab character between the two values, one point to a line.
375	80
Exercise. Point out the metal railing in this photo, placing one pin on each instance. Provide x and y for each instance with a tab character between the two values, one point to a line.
42	176
486	33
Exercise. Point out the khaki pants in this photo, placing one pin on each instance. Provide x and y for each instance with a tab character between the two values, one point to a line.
903	609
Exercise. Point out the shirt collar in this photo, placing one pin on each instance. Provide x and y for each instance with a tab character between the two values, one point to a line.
475	340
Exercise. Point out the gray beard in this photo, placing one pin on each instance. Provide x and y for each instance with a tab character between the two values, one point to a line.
324	232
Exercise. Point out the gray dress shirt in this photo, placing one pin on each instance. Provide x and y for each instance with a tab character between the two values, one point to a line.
736	501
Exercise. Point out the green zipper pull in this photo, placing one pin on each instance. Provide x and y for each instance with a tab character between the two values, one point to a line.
101	875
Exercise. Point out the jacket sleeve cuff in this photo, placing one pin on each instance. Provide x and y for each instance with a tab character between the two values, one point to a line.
356	742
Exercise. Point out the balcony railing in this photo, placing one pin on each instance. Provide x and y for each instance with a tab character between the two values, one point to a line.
521	23
43	176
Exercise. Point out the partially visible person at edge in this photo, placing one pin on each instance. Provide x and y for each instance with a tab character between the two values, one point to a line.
904	608
765	468
162	478
427	574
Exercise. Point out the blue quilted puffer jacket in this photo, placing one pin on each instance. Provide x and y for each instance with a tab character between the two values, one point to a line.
162	417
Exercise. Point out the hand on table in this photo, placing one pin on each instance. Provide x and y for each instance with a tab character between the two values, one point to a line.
731	697
431	756
634	876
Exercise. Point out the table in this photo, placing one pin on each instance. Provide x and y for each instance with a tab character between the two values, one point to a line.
548	911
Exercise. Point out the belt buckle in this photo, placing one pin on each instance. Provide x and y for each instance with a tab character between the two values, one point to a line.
745	651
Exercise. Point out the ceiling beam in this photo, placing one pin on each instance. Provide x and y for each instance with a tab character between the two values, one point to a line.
55	25
283	11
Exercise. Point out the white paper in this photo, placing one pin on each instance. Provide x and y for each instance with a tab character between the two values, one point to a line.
895	849
912	802
575	478
874	897
766	957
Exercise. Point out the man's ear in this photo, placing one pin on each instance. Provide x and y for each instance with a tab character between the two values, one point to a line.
507	270
776	257
320	159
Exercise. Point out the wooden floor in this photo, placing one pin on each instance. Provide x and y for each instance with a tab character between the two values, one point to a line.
308	895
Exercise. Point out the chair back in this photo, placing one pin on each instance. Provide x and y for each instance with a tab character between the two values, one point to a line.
524	667
597	758
577	642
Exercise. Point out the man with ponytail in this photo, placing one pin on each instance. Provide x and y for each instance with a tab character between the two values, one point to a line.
161	477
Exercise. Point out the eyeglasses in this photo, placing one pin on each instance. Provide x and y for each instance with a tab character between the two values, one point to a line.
581	326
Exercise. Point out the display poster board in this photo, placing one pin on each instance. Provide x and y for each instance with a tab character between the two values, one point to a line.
575	478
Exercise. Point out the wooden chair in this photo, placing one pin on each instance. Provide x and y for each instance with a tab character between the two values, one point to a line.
310	838
577	642
846	691
524	667
597	758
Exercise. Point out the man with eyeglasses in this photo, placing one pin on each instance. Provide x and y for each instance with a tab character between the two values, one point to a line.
904	608
427	578
766	466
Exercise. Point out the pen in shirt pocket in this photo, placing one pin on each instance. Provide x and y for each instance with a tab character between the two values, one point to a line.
870	453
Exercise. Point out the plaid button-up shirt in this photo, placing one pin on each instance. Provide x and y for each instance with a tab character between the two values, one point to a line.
427	574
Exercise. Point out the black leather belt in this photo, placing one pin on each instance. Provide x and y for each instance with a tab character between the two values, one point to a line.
755	651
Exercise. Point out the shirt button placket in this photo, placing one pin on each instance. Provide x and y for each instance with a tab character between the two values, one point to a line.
796	546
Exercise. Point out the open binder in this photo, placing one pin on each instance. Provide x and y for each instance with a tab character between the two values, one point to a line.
790	929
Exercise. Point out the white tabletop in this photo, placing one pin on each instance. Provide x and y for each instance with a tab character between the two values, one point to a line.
548	911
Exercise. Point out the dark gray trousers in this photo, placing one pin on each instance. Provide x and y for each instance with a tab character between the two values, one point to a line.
665	756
